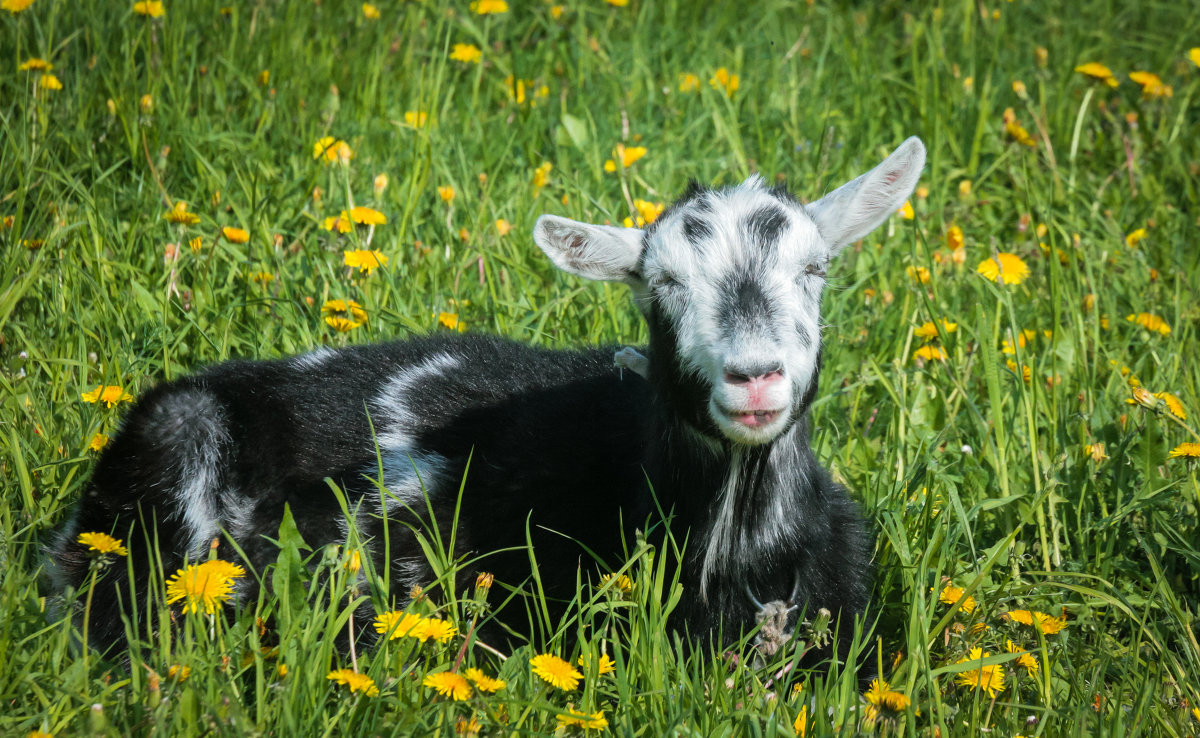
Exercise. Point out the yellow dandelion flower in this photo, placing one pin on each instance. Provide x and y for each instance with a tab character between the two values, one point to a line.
554	671
109	394
964	189
208	584
1132	239
541	175
1152	85
626	155
1048	624
618	3
1004	268
585	720
723	80
466	53
1188	450
605	664
196	244
235	235
396	623
341	324
15	6
1025	372
49	82
1015	130
928	331
951	594
1174	404
800	726
688	82
102	543
355	681
1019	88
341	224
483	682
151	9
1025	660
262	277
370	12
1151	322
364	260
35	64
179	672
1098	72
415	118
330	150
367	216
379	184
98	442
353	562
503	226
918	274
906	210
451	321
446	193
1096	451
349	308
448	684
622	583
488	7
179	214
1194	56
930	353
264	77
987	678
896	701
433	628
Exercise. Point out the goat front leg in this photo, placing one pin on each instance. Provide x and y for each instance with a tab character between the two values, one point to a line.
631	359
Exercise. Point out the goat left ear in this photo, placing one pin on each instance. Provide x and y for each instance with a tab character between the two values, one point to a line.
860	206
597	252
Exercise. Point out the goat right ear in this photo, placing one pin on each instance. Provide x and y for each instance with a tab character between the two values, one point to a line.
593	251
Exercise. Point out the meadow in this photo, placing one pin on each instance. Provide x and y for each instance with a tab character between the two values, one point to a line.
182	183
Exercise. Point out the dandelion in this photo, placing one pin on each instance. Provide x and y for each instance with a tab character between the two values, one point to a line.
1151	322
196	244
1048	624
343	315
964	189
1025	372
446	193
626	155
448	684
930	353
483	682
109	394
1018	87
1096	451
883	701
49	82
1098	72
353	562
466	53
724	81
585	720
341	223
364	260
1041	56
951	594
503	226
1134	237
604	665
488	7
1188	450
988	678
554	671
541	175
396	623
434	628
688	82
451	321
1004	268
1194	56
928	331
146	103
235	235
179	214
906	211
102	543
98	442
1173	403
618	3
556	11
151	9
264	77
467	727
355	681
1025	660
1015	130
330	150
379	184
15	6
920	275
370	12
1152	85
208	585
367	216
622	583
179	672
415	118
800	726
35	64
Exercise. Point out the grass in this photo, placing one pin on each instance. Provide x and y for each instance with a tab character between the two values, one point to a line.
969	473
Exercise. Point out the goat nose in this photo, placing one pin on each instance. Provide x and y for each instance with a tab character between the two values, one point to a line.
753	375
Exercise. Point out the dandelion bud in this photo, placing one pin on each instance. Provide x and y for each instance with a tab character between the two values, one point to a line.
484	581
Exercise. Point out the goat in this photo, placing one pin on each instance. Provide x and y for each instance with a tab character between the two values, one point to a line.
563	446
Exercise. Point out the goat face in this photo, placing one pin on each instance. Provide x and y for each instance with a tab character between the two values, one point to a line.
730	283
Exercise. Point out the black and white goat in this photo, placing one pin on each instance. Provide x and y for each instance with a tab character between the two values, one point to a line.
713	421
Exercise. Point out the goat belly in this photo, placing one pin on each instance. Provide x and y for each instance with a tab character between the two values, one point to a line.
541	443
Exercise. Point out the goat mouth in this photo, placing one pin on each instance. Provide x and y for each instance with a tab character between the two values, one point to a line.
752	418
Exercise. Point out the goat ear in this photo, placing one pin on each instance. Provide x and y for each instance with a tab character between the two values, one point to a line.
593	251
860	206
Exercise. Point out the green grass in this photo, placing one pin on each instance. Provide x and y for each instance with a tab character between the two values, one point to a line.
966	471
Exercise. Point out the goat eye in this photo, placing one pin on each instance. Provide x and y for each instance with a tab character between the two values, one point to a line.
665	282
814	270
